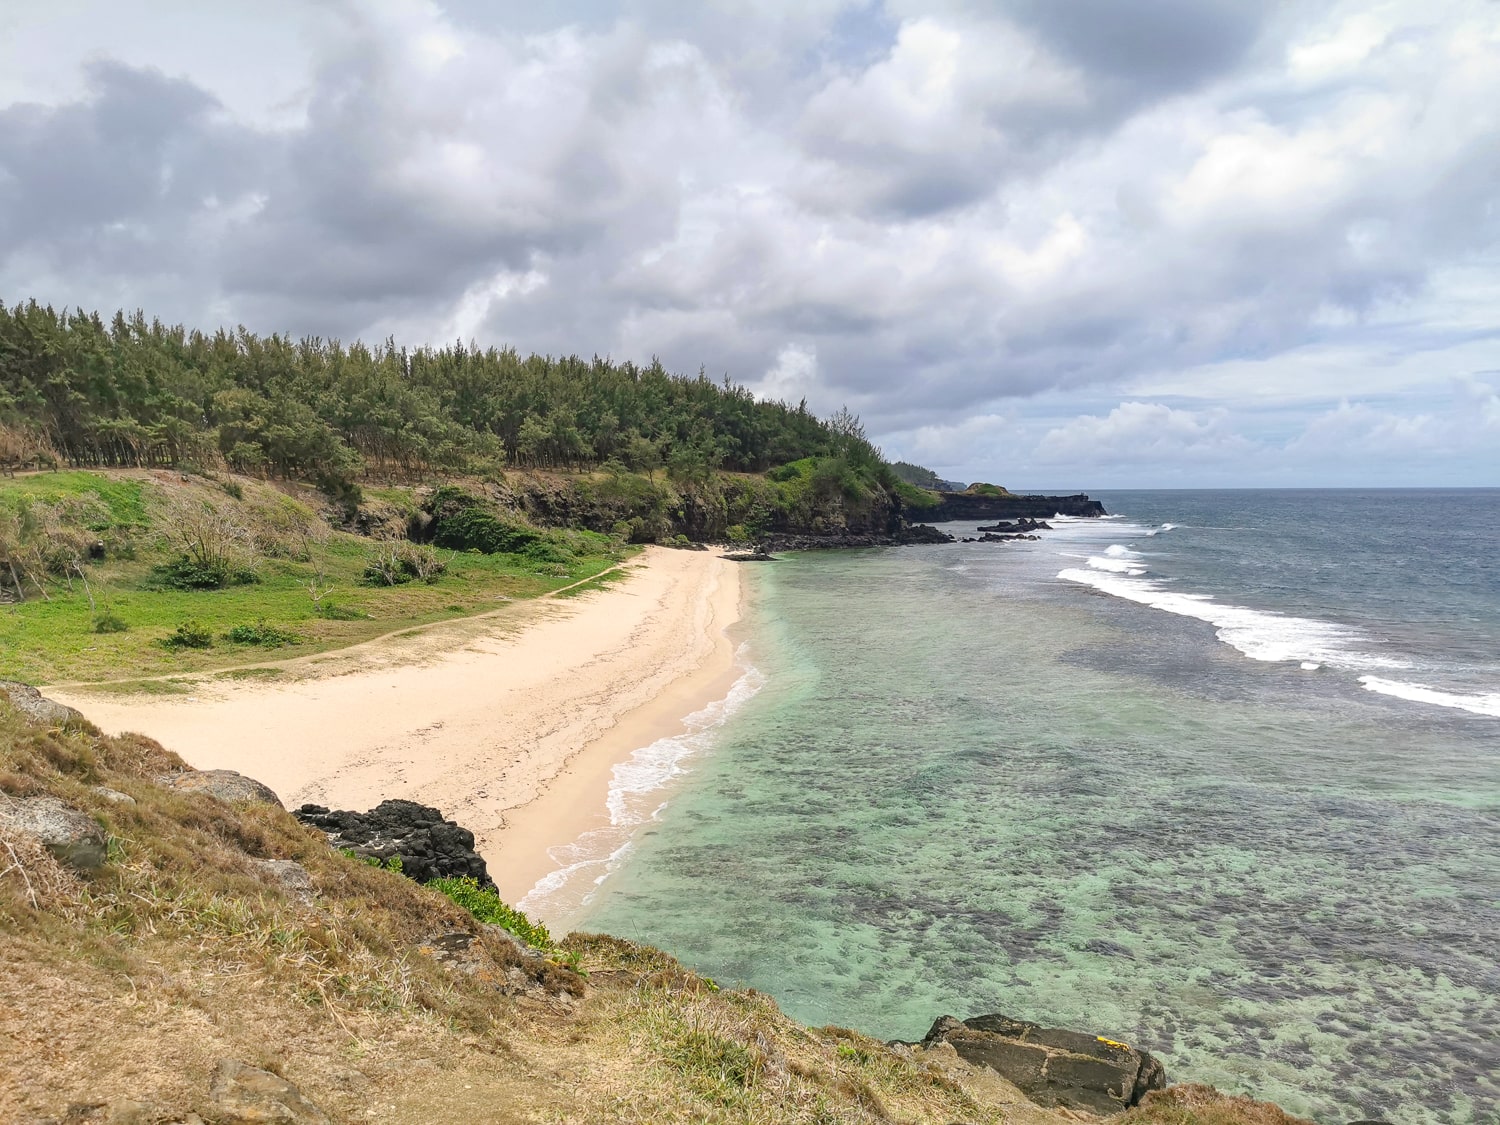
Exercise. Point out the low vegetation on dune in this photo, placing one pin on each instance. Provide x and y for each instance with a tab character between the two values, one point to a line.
126	986
153	573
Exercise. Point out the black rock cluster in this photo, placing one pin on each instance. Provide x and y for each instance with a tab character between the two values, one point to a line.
430	846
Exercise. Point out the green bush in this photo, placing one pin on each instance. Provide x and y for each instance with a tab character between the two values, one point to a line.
478	530
914	498
329	610
190	634
486	906
395	564
261	634
183	573
109	623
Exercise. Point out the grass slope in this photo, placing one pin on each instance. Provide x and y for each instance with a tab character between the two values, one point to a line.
55	639
386	1001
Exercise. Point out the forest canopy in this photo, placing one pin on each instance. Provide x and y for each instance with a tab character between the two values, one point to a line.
133	392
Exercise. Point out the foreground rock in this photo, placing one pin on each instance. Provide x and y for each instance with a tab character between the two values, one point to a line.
227	785
1053	1067
430	846
34	705
72	837
244	1095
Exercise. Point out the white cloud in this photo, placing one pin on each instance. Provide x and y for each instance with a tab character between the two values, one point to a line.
1216	220
1143	433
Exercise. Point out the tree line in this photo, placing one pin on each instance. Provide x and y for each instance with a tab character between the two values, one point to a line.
139	393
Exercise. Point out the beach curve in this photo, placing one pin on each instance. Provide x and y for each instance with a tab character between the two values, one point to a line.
511	726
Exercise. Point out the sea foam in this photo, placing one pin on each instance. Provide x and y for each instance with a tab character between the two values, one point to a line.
1259	634
1484	703
1119	560
634	799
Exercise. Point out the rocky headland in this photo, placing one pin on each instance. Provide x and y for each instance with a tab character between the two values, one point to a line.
1010	506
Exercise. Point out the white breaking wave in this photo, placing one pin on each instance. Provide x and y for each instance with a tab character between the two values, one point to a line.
1486	703
1259	634
633	800
1164	527
1119	560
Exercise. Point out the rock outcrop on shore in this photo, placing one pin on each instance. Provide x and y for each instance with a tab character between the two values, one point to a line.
902	536
429	845
982	506
1051	1066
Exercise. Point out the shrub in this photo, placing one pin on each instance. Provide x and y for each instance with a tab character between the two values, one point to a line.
233	488
395	564
190	634
331	611
261	634
478	530
486	906
109	623
184	573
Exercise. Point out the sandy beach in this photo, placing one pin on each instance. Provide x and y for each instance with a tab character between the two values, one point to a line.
511	723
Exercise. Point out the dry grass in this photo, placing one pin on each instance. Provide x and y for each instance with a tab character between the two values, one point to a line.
133	983
1191	1104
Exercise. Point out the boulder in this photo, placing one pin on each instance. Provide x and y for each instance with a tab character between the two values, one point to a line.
244	1095
73	837
33	704
1051	1066
290	876
227	785
430	846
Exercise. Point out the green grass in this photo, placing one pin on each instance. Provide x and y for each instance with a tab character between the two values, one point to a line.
486	906
123	497
55	641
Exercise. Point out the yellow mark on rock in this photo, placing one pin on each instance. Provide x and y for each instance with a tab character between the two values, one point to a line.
1113	1043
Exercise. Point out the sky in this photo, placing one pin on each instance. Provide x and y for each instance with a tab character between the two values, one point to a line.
1048	243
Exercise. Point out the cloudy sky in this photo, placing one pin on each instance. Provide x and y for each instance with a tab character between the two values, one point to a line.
1054	243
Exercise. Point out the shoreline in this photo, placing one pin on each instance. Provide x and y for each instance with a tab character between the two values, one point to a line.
510	725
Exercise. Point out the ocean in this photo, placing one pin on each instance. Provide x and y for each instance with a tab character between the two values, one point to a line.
1218	775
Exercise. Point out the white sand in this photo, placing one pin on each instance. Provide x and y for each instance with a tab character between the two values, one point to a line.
510	724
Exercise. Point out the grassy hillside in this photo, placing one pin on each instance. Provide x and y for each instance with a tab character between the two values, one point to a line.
99	572
383	1000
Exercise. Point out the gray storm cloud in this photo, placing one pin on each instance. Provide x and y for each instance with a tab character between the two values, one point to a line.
926	211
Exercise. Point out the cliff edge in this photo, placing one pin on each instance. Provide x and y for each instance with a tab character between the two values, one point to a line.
179	948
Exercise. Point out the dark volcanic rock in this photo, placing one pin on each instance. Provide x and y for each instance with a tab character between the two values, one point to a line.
1051	1066
922	533
916	533
430	846
1020	526
972	506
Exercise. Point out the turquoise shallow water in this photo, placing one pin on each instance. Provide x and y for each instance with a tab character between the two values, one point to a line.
969	785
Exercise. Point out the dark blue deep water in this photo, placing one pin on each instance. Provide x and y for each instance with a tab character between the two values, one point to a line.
1219	775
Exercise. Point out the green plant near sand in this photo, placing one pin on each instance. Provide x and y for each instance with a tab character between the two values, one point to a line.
267	636
486	906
